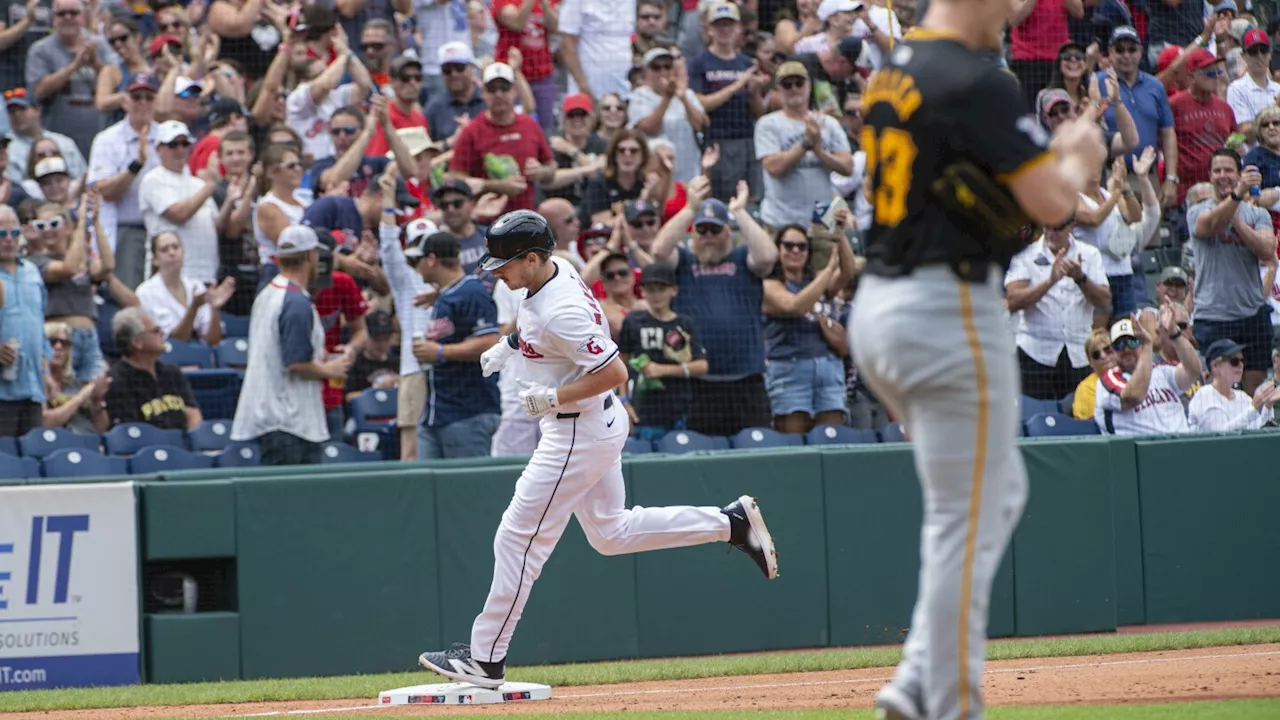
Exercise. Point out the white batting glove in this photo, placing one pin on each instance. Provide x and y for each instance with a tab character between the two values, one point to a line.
538	399
495	358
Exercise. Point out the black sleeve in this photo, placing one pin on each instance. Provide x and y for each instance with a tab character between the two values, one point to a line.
695	338
629	336
999	129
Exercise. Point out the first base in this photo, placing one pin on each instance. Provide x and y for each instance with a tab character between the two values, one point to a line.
457	693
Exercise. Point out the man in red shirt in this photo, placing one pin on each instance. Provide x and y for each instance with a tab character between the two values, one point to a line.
403	110
505	149
527	25
1201	120
340	301
225	116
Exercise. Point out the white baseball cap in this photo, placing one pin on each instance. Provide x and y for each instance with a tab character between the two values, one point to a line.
50	166
724	11
827	8
297	239
171	130
418	229
1122	328
655	53
498	71
456	53
417	140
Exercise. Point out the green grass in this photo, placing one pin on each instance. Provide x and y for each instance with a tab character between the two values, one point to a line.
606	673
1215	710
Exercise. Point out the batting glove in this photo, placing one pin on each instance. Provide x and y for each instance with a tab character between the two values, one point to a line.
495	358
538	399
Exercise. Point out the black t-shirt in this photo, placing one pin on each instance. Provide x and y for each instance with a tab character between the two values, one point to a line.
573	193
136	396
666	342
944	104
601	193
238	258
366	371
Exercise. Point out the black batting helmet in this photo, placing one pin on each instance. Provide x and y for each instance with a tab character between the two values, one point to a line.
515	235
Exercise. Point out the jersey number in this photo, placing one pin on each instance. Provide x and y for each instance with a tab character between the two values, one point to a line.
893	152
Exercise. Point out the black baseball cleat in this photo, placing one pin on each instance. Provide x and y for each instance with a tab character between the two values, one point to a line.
457	664
748	533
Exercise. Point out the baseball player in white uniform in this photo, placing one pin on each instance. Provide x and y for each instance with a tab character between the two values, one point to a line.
571	367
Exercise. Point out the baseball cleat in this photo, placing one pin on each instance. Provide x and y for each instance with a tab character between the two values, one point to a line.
894	704
457	664
748	533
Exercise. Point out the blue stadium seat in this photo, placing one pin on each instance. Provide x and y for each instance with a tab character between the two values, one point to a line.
1064	405
187	355
1150	262
1030	407
9	446
70	462
166	458
235	326
893	432
373	422
760	437
41	442
216	390
129	438
334	452
13	470
210	436
840	435
683	441
233	353
239	454
1055	425
636	446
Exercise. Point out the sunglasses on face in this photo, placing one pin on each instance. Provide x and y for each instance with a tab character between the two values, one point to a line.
792	83
1100	353
295	165
411	77
179	144
59	342
796	246
706	229
10	233
660	66
142	97
500	86
628	150
1126	49
1125	344
1214	73
452	204
344	130
1073	56
576	115
68	13
453	69
1234	361
50	224
1268	123
651	16
117	40
645	223
615	274
374	46
1258	50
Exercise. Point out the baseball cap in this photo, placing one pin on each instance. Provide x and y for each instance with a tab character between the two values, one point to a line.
576	101
1124	32
598	231
456	53
171	130
1201	58
636	209
1254	38
724	11
452	185
415	138
827	8
855	51
1173	273
498	71
1222	348
186	87
158	42
143	81
416	230
712	212
1122	328
439	243
654	54
297	239
223	108
659	273
16	96
791	68
1167	56
1049	98
378	324
1226	6
403	61
50	166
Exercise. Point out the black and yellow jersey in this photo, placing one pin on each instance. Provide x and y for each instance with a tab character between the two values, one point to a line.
934	103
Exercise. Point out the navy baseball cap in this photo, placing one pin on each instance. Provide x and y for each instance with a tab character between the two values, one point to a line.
637	209
712	212
1124	32
1222	348
452	185
378	324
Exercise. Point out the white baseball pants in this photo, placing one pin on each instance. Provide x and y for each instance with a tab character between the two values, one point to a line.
938	351
576	470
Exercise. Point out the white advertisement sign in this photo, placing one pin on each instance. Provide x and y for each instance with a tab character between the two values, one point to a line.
68	586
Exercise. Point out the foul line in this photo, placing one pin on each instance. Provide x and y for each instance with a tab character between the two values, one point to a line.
767	686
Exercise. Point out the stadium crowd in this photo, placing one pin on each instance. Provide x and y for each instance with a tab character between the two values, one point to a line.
270	215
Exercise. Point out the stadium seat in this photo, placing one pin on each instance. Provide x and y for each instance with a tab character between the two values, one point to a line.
235	326
1169	256
334	452
166	458
216	390
636	446
1030	407
233	353
14	470
9	446
70	462
683	441
373	422
893	432
187	355
1150	262
41	442
840	435
764	438
1055	425
1064	405
239	454
127	439
210	436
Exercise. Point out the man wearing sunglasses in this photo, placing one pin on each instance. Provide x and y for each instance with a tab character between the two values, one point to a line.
22	317
460	100
1137	396
25	128
1255	90
1145	99
173	199
403	109
457	207
62	71
1201	119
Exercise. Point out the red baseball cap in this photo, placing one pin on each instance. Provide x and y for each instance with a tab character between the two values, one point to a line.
1255	36
1167	56
1201	58
159	41
577	101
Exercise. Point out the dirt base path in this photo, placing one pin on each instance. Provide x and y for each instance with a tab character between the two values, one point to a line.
1203	674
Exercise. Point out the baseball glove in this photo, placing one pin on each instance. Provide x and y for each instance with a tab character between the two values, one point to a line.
977	201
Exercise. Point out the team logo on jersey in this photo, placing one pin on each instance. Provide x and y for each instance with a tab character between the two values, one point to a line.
527	350
440	328
590	347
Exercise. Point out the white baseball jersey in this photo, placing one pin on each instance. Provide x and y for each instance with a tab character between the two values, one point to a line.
563	332
1159	413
